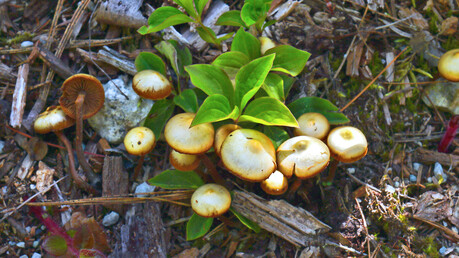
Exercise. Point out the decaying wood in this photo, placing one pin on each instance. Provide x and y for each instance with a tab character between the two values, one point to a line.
115	180
429	157
123	13
26	164
283	10
57	65
6	72
117	60
291	223
19	96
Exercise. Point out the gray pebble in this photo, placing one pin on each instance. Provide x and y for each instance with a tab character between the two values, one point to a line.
396	184
26	44
110	219
20	244
442	250
429	179
390	189
36	255
144	188
413	178
35	243
416	166
24	256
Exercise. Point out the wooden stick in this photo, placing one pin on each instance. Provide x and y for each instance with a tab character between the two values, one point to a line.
19	97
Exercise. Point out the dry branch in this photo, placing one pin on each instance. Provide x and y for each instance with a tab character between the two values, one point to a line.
19	96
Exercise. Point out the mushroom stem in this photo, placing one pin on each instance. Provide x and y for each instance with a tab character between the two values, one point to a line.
78	180
138	168
331	171
294	187
450	133
79	139
212	170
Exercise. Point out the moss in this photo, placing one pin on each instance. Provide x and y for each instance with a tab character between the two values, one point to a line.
376	64
451	43
20	37
428	245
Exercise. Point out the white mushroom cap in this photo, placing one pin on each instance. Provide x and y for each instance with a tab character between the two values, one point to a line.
249	155
221	134
195	140
275	184
139	141
53	119
183	162
313	124
151	84
347	144
304	156
211	200
448	65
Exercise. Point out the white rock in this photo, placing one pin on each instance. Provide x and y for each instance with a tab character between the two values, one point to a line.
416	166
20	244
36	255
144	188
110	219
35	243
2	146
390	189
429	179
118	114
26	44
413	178
351	170
396	184
28	228
442	250
33	187
438	169
24	256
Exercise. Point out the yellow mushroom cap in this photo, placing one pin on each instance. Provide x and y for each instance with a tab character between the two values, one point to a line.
139	141
151	84
249	155
312	124
183	162
347	144
210	200
266	44
195	140
448	65
221	134
275	184
52	120
304	156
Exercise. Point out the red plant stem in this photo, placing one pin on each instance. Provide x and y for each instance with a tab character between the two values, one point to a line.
212	170
331	171
138	167
78	180
450	133
79	138
54	228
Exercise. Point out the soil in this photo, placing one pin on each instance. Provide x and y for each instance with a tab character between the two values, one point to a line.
390	203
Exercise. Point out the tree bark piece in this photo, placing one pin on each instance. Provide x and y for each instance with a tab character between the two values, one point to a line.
123	13
19	97
291	223
115	180
57	65
111	57
429	157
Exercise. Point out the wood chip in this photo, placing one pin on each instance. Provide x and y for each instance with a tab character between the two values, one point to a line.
19	96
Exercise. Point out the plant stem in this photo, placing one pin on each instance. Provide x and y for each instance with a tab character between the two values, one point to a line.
450	133
294	186
78	180
93	178
212	170
138	167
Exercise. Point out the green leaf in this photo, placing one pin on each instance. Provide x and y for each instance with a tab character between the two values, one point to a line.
159	114
268	23
250	78
200	4
211	80
55	245
224	37
318	105
207	34
215	108
187	100
254	11
274	86
289	60
247	222
188	5
288	82
246	43
231	62
197	227
268	111
150	61
176	179
178	56
276	134
162	18
231	18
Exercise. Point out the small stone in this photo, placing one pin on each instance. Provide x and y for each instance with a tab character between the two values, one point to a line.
26	44
36	255
413	178
28	228
416	166
454	229
12	243
33	187
35	243
144	188
429	179
445	224
438	170
24	256
351	170
2	146
110	219
442	250
20	244
44	176
390	189
396	184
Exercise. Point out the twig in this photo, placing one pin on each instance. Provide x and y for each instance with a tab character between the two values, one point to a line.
364	226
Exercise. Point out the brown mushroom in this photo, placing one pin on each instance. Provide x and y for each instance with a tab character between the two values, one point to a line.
221	134
55	120
275	184
151	84
139	141
82	97
313	124
184	162
448	65
211	200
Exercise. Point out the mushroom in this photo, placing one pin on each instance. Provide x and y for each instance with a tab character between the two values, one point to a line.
448	67
275	184
183	162
55	120
196	140
82	97
249	154
151	84
221	134
266	44
210	200
313	124
304	156
139	141
347	144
